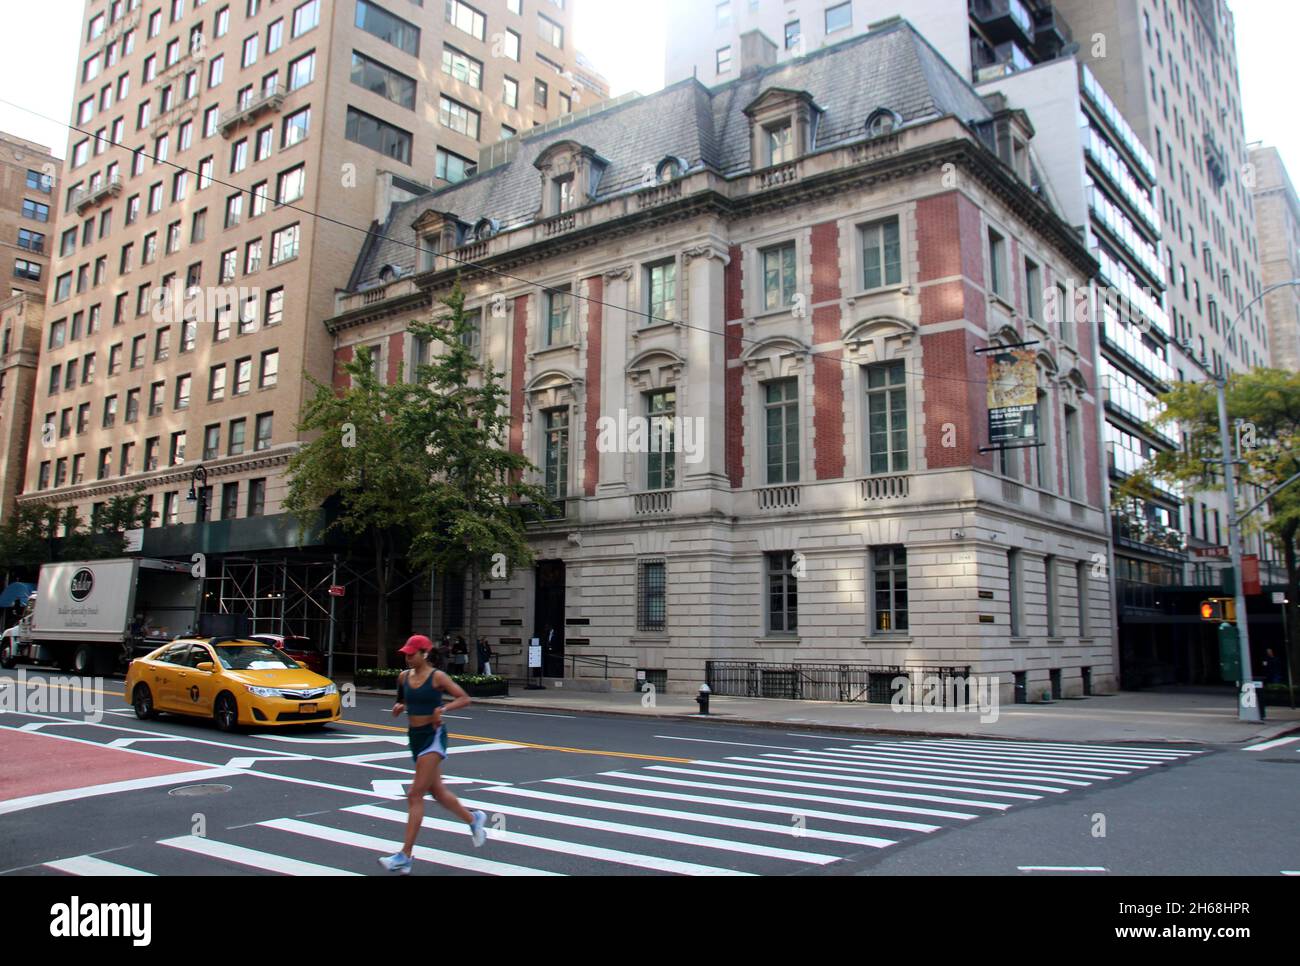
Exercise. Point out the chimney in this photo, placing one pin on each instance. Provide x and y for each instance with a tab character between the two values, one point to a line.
757	53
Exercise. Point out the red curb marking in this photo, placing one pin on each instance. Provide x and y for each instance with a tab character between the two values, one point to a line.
34	764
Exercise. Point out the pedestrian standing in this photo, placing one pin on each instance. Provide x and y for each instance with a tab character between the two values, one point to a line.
419	693
460	655
484	656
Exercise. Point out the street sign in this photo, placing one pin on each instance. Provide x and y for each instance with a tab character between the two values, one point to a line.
134	540
1211	552
1279	597
336	590
535	653
1250	574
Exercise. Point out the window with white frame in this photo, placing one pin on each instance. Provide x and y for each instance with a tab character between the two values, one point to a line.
882	262
661	289
782	593
555	423
886	412
661	460
889	589
779	275
559	316
781	417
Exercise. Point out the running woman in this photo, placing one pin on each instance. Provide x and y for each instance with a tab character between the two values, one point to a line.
419	693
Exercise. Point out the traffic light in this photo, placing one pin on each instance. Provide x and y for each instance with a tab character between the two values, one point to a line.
1219	610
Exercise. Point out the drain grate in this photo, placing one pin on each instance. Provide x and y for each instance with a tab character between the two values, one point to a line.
196	790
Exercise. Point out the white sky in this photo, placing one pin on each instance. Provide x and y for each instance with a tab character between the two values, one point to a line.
625	40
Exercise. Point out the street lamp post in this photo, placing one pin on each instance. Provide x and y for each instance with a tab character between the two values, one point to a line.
198	494
1247	708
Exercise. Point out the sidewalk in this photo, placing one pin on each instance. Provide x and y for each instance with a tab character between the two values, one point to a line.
1129	716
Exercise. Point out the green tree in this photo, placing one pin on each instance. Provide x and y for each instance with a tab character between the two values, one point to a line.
1264	417
43	533
358	455
475	509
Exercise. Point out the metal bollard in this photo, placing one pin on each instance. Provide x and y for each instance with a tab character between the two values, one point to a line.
702	699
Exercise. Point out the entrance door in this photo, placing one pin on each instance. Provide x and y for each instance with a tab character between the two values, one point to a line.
548	618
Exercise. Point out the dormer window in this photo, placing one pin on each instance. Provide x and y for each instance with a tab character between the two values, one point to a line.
439	232
570	175
779	143
562	194
429	250
485	228
882	121
669	168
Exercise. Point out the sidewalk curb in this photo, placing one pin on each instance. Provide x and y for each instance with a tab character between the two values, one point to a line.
1287	727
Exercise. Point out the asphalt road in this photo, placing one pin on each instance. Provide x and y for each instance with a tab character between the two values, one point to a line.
597	795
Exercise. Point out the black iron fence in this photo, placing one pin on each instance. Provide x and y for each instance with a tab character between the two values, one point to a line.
944	686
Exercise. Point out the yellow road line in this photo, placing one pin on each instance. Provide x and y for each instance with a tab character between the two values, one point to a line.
385	727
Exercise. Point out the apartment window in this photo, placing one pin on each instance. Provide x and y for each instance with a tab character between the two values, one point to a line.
35	210
661	286
171	514
263	144
887	418
284	244
229	501
452	167
30	271
302	71
661	463
458	117
507	132
394	30
382	80
782	593
295	128
162	344
83	416
839	17
1015	577
556	460
778	275
305	17
472	337
997	263
1049	570
651	597
722	59
248	315
243	375
189	334
43	482
211	118
229	265
198	226
1081	582
256	497
182	400
270	368
33	241
248	56
781	407
539	92
211	441
559	310
792	35
157	392
221	324
462	67
881	254
125	464
115	359
216	70
137	352
275	306
1073	457
379	135
259	196
779	142
1033	290
216	383
510	93
263	438
239	155
550	31
132	404
510	45
889	589
466	18
253	257
177	453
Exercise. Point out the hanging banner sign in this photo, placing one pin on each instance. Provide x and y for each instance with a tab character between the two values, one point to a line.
1012	397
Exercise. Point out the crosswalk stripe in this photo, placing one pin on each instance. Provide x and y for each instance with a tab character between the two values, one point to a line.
1108	749
963	773
91	865
1033	765
386	847
860	779
265	861
1275	743
557	845
878	792
1046	755
788	796
662	835
748	806
1030	771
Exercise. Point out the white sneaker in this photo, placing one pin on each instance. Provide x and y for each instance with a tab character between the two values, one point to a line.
478	828
399	862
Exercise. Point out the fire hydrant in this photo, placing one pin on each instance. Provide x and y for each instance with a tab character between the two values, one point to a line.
702	699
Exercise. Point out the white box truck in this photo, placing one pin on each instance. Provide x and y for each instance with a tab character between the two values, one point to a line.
94	616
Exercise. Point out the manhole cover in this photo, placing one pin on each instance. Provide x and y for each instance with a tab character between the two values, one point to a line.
194	790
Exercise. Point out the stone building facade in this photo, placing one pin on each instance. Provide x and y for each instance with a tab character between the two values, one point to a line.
800	265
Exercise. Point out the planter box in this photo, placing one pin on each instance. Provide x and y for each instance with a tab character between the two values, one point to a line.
487	690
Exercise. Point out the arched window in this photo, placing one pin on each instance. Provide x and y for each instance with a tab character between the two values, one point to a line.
882	121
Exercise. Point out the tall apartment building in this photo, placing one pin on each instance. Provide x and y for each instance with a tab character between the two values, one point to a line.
28	214
1277	218
206	137
807	278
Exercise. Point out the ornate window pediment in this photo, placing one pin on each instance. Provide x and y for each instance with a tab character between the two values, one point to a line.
779	355
880	338
438	232
783	125
571	174
655	369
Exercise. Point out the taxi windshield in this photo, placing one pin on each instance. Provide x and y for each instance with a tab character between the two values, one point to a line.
253	657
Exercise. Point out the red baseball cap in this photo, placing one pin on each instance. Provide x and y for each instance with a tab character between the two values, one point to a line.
416	642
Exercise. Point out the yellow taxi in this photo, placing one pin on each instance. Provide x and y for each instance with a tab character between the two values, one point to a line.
234	681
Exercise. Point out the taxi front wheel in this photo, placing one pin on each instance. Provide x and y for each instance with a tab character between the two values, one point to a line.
142	701
226	712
